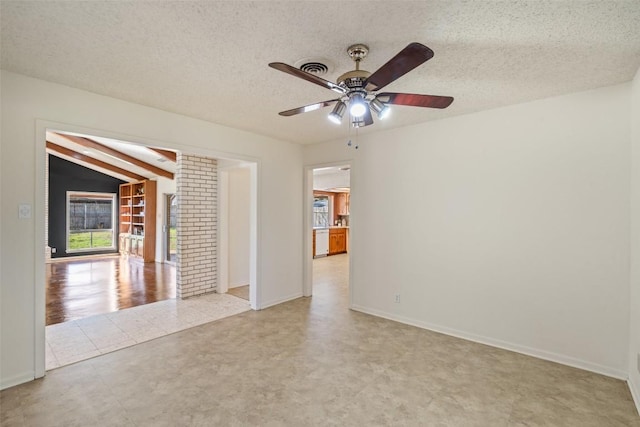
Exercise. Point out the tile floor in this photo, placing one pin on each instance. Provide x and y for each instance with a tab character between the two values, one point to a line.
70	342
314	362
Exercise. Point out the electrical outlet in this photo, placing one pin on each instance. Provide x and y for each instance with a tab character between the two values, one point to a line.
397	298
53	250
24	211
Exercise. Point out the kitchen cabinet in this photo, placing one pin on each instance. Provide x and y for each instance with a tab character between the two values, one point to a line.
341	202
337	240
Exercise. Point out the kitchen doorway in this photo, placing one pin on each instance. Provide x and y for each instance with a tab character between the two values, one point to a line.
328	236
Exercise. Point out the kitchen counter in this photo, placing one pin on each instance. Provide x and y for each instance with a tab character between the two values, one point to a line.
333	226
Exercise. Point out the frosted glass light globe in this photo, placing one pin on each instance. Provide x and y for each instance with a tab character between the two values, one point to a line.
357	107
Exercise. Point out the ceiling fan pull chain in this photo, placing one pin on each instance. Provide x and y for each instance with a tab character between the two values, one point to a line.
356	146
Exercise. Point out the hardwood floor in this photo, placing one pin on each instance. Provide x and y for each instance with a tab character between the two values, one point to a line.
86	287
240	292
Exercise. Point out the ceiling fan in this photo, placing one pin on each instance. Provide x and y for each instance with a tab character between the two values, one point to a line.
358	89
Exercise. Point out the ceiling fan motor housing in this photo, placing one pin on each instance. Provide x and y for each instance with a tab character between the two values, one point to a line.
353	80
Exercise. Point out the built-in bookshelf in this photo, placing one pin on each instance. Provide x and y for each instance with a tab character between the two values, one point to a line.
138	220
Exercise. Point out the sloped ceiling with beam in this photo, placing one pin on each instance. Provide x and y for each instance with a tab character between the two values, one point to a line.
122	160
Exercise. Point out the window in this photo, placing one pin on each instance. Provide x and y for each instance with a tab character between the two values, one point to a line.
90	221
321	211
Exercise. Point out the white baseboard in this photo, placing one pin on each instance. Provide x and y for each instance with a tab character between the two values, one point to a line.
635	393
281	300
529	351
16	380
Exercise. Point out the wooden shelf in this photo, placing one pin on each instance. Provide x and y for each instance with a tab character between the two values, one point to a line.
138	220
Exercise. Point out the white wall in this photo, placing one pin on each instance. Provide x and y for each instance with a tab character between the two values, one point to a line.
634	297
509	226
239	226
28	106
325	181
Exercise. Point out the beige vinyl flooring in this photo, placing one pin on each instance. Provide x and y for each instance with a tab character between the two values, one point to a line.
313	362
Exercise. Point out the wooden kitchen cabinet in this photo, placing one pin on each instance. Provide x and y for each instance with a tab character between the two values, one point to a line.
341	201
337	240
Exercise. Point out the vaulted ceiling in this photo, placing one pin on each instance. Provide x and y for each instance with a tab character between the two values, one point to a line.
122	160
208	59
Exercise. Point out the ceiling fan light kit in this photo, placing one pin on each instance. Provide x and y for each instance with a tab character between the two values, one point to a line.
358	88
380	108
338	111
357	106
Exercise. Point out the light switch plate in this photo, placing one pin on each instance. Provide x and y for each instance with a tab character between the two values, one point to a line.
24	211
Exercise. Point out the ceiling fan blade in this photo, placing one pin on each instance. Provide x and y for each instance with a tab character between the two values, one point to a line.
306	76
308	108
415	100
406	60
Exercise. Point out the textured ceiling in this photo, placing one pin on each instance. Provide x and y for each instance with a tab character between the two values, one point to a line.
209	59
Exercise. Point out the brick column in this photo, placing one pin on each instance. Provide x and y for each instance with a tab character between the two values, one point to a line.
197	223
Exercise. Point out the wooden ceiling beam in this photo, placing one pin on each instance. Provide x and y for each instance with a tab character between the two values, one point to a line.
169	155
95	162
89	143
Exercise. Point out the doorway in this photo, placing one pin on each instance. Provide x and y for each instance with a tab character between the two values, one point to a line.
103	199
112	328
169	229
236	210
328	239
